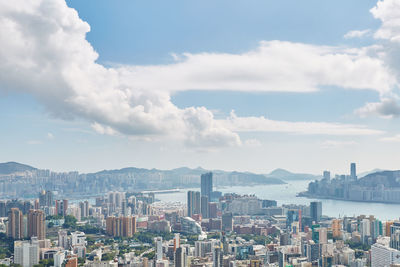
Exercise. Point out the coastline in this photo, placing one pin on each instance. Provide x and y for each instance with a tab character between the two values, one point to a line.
306	195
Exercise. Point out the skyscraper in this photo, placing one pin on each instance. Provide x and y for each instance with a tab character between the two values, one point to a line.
36	224
204	207
61	207
217	257
353	173
316	211
46	199
15	227
159	249
207	185
327	175
227	222
193	203
179	257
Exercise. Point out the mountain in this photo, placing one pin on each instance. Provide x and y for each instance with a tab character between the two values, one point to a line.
386	178
187	177
289	176
362	174
13	167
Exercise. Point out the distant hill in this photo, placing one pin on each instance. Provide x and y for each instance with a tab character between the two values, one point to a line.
185	176
387	178
289	176
362	174
13	167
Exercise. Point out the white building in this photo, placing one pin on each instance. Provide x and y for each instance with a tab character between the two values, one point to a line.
78	238
159	248
382	255
59	258
26	253
78	243
102	264
63	241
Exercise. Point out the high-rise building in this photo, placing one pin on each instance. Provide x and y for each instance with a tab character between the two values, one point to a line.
383	255
84	206
3	209
204	207
227	222
63	240
78	243
15	224
159	248
316	211
121	226
212	210
207	185
61	207
179	257
327	175
353	173
387	228
395	235
177	241
46	199
336	228
26	253
193	203
36	224
217	257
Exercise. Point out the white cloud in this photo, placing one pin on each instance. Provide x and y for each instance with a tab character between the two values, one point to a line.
386	108
50	136
261	124
273	66
44	52
252	143
388	11
391	139
356	34
337	143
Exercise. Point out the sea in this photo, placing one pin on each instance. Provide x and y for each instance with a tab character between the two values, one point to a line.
286	194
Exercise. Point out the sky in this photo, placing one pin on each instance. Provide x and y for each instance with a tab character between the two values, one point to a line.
235	85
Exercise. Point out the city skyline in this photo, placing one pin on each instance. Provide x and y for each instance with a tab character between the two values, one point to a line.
111	88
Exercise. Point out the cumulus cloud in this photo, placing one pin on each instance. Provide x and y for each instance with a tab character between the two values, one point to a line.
44	52
356	34
386	108
388	12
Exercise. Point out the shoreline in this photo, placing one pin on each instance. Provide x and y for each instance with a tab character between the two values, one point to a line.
303	194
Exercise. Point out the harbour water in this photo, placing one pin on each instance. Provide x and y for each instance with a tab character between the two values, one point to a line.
286	194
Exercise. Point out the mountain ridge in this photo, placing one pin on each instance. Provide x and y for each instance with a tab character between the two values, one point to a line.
14	167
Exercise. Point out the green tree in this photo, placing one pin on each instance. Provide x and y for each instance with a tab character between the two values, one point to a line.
70	222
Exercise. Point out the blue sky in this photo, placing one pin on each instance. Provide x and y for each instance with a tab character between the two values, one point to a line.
145	43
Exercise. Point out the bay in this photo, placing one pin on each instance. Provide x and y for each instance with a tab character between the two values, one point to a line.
286	194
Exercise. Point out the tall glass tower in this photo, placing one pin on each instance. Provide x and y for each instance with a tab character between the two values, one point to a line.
207	185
